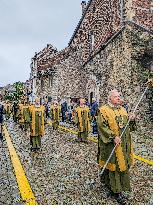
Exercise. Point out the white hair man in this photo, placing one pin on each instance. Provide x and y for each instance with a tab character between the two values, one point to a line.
112	119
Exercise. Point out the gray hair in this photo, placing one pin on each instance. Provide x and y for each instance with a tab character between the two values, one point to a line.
111	93
55	102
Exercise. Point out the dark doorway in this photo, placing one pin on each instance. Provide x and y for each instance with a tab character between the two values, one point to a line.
91	96
49	99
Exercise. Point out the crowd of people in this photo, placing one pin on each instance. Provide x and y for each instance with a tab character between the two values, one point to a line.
107	121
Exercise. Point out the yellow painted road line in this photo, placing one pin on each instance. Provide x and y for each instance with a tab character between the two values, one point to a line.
49	123
65	128
92	139
135	156
23	184
96	141
143	160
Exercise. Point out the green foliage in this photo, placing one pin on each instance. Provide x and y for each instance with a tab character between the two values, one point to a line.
17	94
142	46
146	73
19	90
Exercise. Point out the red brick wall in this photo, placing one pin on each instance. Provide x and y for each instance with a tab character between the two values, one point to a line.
102	17
143	13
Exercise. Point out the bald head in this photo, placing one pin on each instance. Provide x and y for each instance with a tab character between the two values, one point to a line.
55	103
82	101
114	97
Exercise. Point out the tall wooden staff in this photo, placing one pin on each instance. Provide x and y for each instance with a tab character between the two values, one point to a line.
149	84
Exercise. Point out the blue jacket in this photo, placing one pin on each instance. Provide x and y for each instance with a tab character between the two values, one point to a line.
94	108
1	113
64	107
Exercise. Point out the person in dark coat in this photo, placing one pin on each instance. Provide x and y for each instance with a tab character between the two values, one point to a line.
15	111
93	111
64	110
1	118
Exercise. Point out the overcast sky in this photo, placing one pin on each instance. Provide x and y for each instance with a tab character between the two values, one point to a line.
27	26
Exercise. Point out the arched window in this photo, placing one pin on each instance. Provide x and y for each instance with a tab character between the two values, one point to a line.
50	81
42	83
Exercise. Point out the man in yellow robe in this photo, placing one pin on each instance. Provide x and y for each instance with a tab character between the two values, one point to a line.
26	114
112	119
7	108
55	110
37	124
20	114
82	119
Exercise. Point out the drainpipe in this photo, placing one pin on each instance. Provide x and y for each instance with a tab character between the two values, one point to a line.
122	13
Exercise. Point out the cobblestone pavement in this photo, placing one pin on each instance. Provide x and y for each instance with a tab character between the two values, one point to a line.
66	172
9	193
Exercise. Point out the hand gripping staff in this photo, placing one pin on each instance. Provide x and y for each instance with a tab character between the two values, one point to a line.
149	84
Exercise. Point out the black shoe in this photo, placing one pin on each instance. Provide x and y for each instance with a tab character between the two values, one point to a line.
33	149
120	199
77	140
38	148
109	193
85	141
1	136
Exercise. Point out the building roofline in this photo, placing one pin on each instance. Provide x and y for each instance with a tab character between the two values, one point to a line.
59	54
78	26
104	45
140	26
